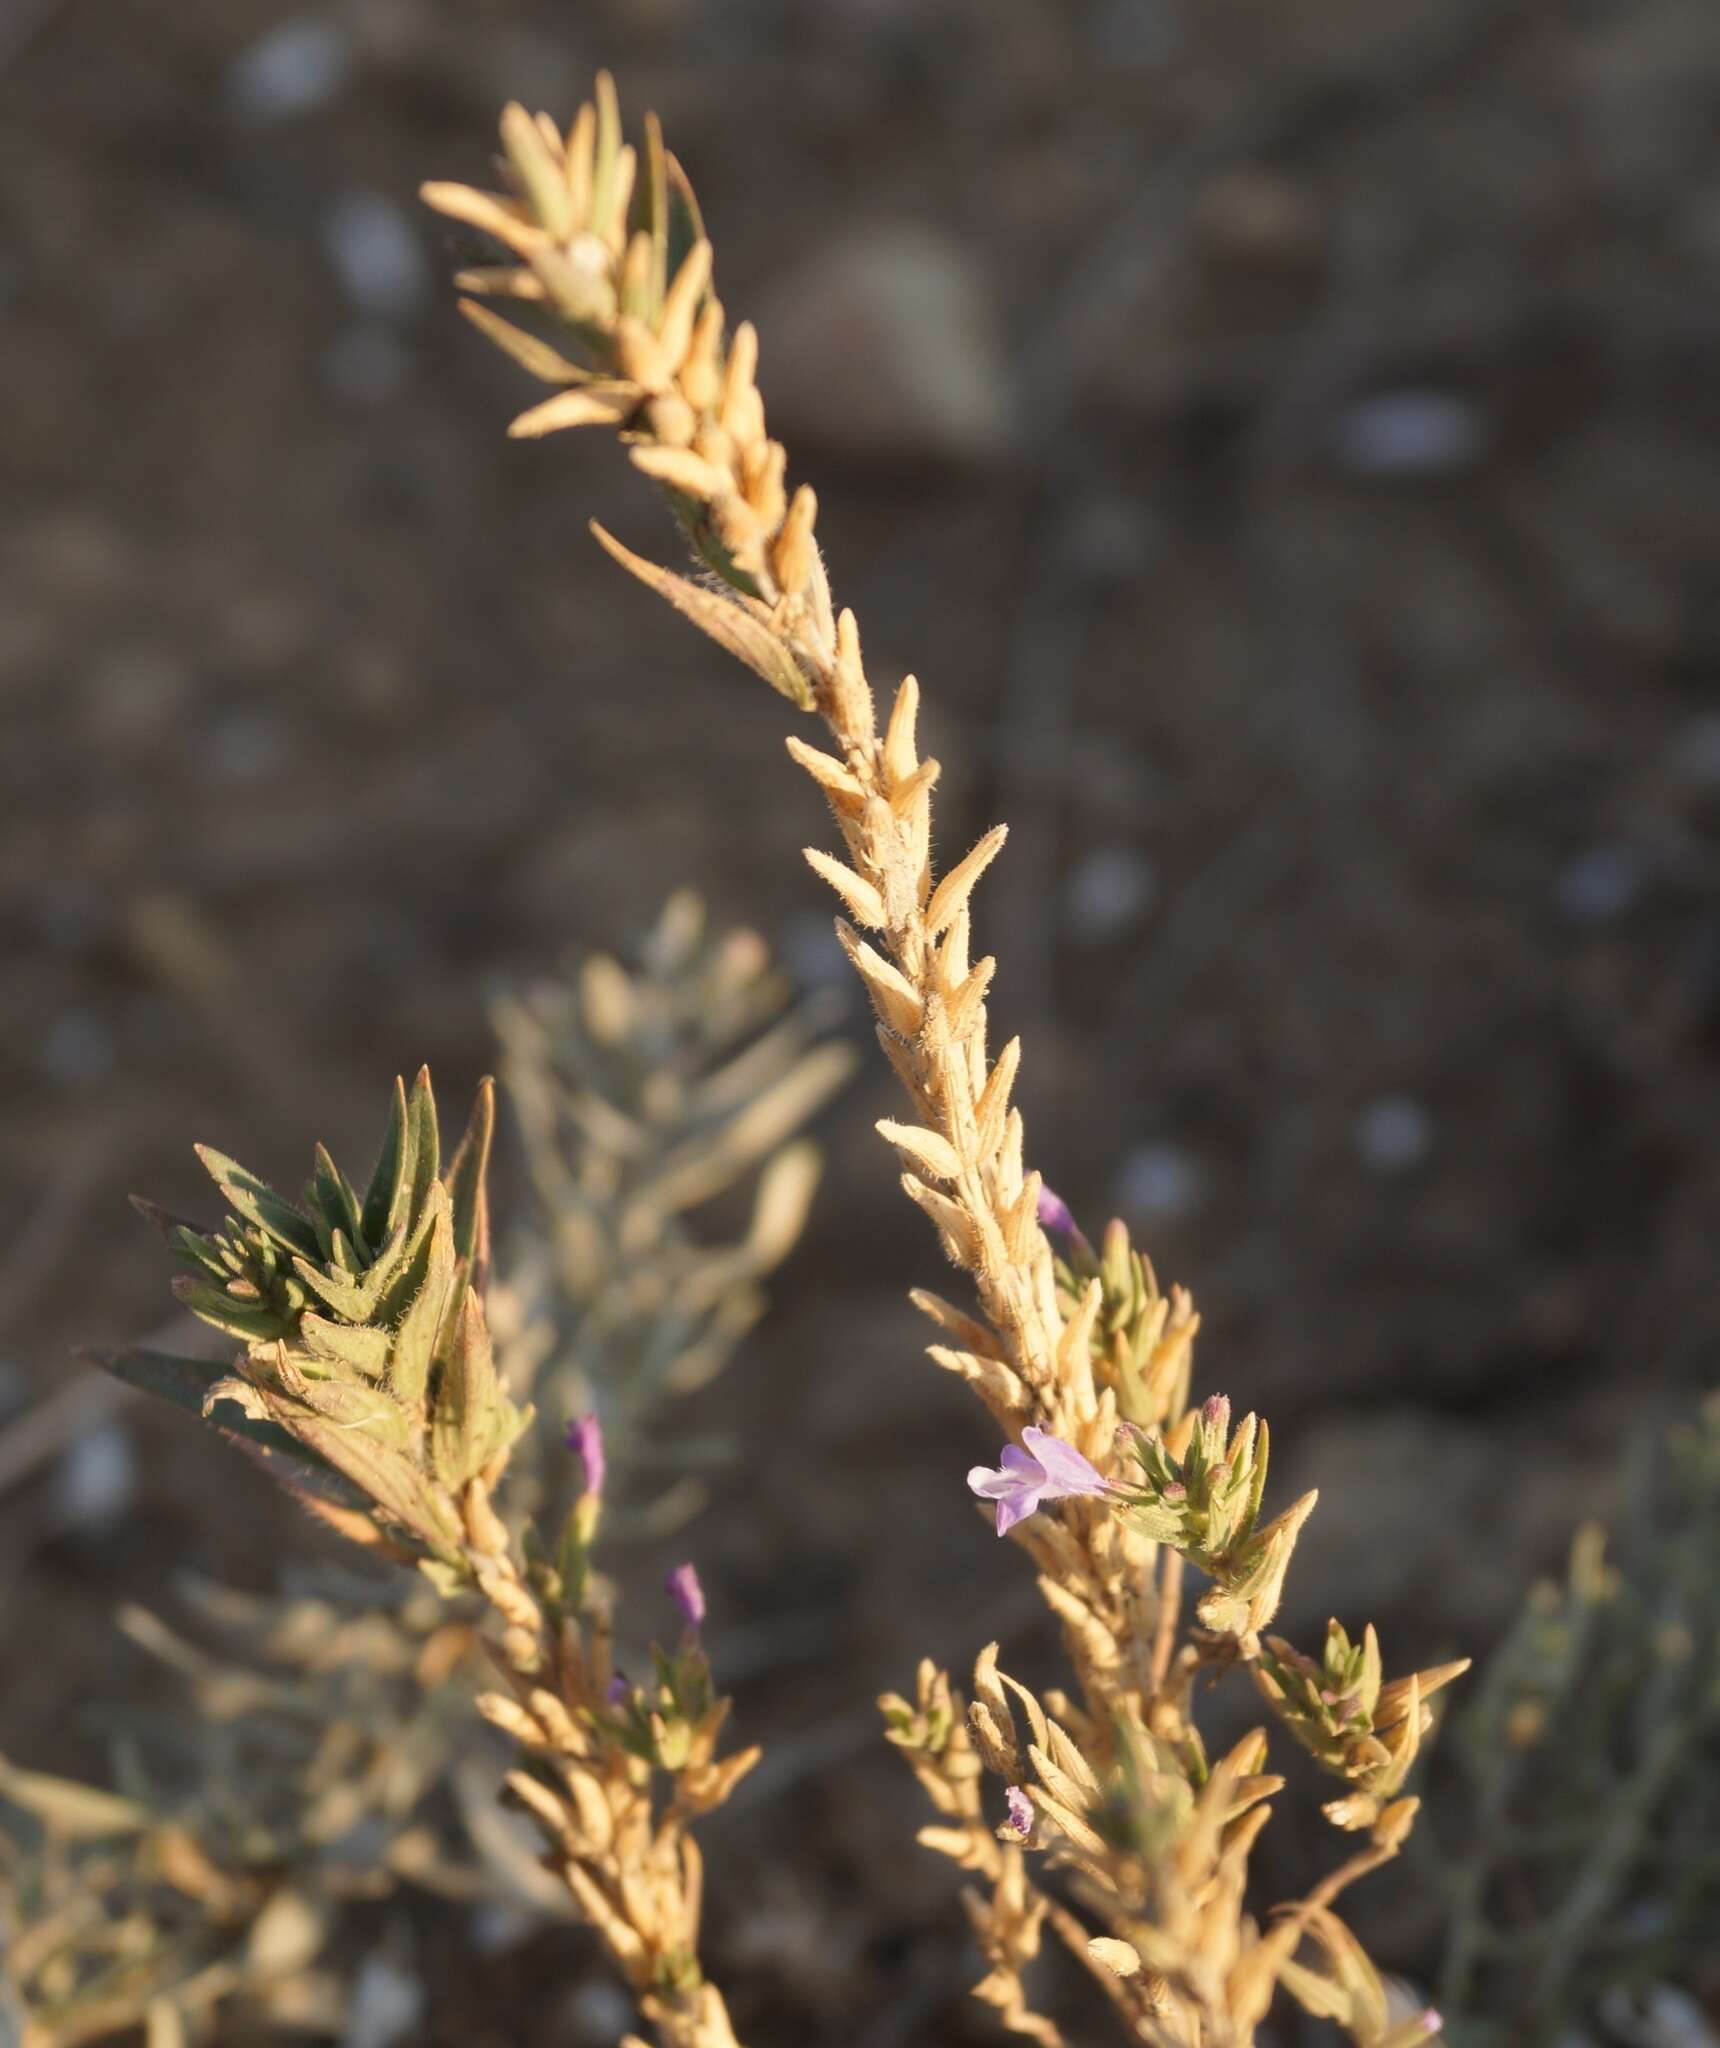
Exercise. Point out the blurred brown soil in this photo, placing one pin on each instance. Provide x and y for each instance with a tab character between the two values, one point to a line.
1300	512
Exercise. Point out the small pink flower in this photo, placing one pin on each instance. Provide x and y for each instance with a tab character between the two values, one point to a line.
682	1586
585	1440
1020	1821
1040	1468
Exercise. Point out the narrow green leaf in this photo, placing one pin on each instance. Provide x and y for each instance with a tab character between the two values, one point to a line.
215	1306
686	222
359	1350
415	1343
182	1381
471	1411
332	1202
466	1179
258	1203
378	1213
423	1147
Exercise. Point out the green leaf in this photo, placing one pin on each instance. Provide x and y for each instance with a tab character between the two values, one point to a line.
466	1178
332	1203
414	1348
182	1381
258	1203
214	1305
359	1350
686	223
423	1146
471	1413
378	1212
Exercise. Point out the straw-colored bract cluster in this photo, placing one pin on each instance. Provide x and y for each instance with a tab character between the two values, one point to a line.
1155	1838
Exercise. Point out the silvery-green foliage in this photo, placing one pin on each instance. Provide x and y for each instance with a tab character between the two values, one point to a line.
304	1765
1583	1862
643	1096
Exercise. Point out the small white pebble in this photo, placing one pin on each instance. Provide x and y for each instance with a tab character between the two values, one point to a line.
1158	1180
296	69
812	956
366	366
376	253
1393	1134
386	2006
599	2012
96	1481
1109	890
1409	433
1599	885
250	744
1659	2016
1135	32
1108	540
1696	751
78	1049
499	1925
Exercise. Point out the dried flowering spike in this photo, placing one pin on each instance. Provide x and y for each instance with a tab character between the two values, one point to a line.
1040	1468
1064	1342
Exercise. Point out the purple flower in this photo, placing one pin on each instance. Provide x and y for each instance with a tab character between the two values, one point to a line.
682	1586
1047	1469
1020	1821
617	1689
585	1440
1055	1214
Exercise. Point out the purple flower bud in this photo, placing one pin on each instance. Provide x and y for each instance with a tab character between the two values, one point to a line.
617	1689
1020	1821
1055	1214
682	1586
1215	1411
585	1440
1431	2021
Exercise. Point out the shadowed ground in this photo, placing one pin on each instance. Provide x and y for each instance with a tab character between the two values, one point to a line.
1283	441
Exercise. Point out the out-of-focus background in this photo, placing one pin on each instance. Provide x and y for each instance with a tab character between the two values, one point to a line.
1283	439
